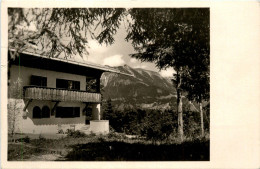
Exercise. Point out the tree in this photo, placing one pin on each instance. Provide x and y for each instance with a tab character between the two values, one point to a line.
14	106
61	31
196	83
108	109
170	38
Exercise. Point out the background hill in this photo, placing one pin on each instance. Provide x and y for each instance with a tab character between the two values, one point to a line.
146	89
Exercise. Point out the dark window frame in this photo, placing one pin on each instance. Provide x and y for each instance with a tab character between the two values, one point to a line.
67	112
48	114
36	115
38	80
67	84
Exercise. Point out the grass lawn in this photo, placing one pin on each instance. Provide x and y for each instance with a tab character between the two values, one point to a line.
112	147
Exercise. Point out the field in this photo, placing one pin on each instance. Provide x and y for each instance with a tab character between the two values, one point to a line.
111	147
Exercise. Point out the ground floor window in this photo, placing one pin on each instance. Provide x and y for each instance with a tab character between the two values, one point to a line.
37	112
46	112
67	112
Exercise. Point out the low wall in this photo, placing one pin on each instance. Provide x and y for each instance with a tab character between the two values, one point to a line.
99	126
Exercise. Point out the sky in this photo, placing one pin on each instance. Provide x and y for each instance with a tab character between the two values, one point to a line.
117	54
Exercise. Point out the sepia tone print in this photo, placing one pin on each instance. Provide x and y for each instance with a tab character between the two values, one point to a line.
108	84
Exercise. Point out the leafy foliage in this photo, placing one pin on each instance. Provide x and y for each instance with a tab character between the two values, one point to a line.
169	37
61	31
177	38
153	124
158	125
75	134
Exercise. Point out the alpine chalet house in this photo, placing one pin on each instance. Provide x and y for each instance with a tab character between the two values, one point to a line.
57	94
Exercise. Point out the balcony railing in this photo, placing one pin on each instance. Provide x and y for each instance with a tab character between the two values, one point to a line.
54	94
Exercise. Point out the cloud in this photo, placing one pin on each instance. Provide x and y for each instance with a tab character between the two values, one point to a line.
137	64
167	73
133	60
115	60
94	46
143	66
96	52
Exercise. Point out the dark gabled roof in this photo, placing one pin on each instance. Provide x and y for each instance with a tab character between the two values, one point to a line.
28	56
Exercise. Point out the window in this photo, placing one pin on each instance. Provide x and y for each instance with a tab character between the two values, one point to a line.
45	112
38	81
37	113
67	112
41	113
67	84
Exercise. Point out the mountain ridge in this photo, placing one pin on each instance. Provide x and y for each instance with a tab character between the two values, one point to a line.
145	89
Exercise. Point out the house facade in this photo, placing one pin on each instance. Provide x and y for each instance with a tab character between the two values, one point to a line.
56	94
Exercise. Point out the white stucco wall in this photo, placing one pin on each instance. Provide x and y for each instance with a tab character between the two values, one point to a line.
25	74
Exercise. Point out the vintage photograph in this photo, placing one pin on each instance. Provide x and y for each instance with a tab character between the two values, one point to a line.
108	84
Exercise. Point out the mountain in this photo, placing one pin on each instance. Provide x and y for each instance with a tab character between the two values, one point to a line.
146	89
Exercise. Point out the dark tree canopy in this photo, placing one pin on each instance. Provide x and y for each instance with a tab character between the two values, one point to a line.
62	30
196	81
169	37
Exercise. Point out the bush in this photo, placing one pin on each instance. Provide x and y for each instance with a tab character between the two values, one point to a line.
157	125
41	138
116	136
25	140
75	134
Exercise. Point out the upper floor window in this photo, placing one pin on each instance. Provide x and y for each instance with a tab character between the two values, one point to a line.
67	84
38	81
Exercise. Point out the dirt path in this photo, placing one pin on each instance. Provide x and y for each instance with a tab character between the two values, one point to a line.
45	157
45	154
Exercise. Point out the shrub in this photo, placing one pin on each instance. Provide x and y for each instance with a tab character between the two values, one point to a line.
41	138
157	125
60	131
191	125
116	136
25	140
75	134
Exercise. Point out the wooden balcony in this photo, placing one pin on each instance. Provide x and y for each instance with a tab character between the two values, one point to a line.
53	94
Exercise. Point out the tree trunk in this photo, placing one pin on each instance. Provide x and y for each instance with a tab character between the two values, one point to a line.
180	118
201	120
179	105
